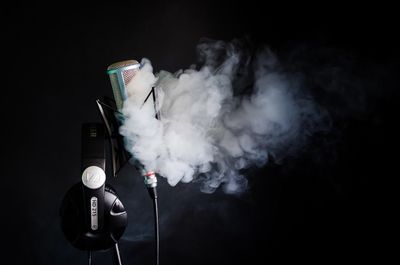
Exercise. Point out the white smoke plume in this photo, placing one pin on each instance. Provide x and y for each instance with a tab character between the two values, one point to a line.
234	112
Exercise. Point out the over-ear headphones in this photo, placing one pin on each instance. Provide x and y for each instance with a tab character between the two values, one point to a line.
92	215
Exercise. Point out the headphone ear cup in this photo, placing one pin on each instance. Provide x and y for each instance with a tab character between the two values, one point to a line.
72	215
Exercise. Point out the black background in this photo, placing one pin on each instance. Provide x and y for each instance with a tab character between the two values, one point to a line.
338	208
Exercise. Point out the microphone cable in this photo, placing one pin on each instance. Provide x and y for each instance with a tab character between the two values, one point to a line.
150	181
156	226
153	195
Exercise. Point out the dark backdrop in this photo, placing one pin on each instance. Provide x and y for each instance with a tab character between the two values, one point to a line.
335	208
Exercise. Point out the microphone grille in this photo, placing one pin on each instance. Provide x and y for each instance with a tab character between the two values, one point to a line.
128	72
122	64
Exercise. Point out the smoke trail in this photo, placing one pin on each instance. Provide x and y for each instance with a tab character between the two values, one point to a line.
234	112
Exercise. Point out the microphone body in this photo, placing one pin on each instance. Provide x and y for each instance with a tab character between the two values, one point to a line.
121	74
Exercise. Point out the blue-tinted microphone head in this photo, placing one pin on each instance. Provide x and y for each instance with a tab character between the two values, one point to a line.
121	73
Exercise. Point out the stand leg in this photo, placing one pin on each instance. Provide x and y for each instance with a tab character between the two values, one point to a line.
117	256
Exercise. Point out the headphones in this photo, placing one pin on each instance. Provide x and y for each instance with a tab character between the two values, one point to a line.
92	215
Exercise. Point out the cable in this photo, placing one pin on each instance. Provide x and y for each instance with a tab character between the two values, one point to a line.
150	181
156	229
153	194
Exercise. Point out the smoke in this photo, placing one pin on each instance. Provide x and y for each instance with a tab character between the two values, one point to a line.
234	111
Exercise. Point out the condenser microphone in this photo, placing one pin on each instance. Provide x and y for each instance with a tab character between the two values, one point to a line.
121	73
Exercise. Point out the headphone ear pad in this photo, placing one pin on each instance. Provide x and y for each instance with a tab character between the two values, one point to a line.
73	218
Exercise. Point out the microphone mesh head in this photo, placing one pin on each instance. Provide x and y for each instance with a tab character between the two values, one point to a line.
127	74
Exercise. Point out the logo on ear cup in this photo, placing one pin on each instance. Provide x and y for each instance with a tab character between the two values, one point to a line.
93	177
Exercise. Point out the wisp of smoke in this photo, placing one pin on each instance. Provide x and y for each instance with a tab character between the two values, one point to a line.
234	112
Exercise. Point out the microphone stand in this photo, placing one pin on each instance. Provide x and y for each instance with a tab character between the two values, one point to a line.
117	256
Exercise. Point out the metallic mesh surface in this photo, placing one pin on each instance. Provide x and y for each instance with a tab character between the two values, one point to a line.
127	74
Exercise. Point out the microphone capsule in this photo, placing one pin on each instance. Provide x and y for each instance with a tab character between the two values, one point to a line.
121	73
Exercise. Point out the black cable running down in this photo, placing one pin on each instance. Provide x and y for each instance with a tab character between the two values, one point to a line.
153	195
156	231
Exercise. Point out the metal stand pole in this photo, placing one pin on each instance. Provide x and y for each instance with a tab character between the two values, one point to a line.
117	256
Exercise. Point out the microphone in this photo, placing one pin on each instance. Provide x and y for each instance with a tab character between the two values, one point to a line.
121	73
